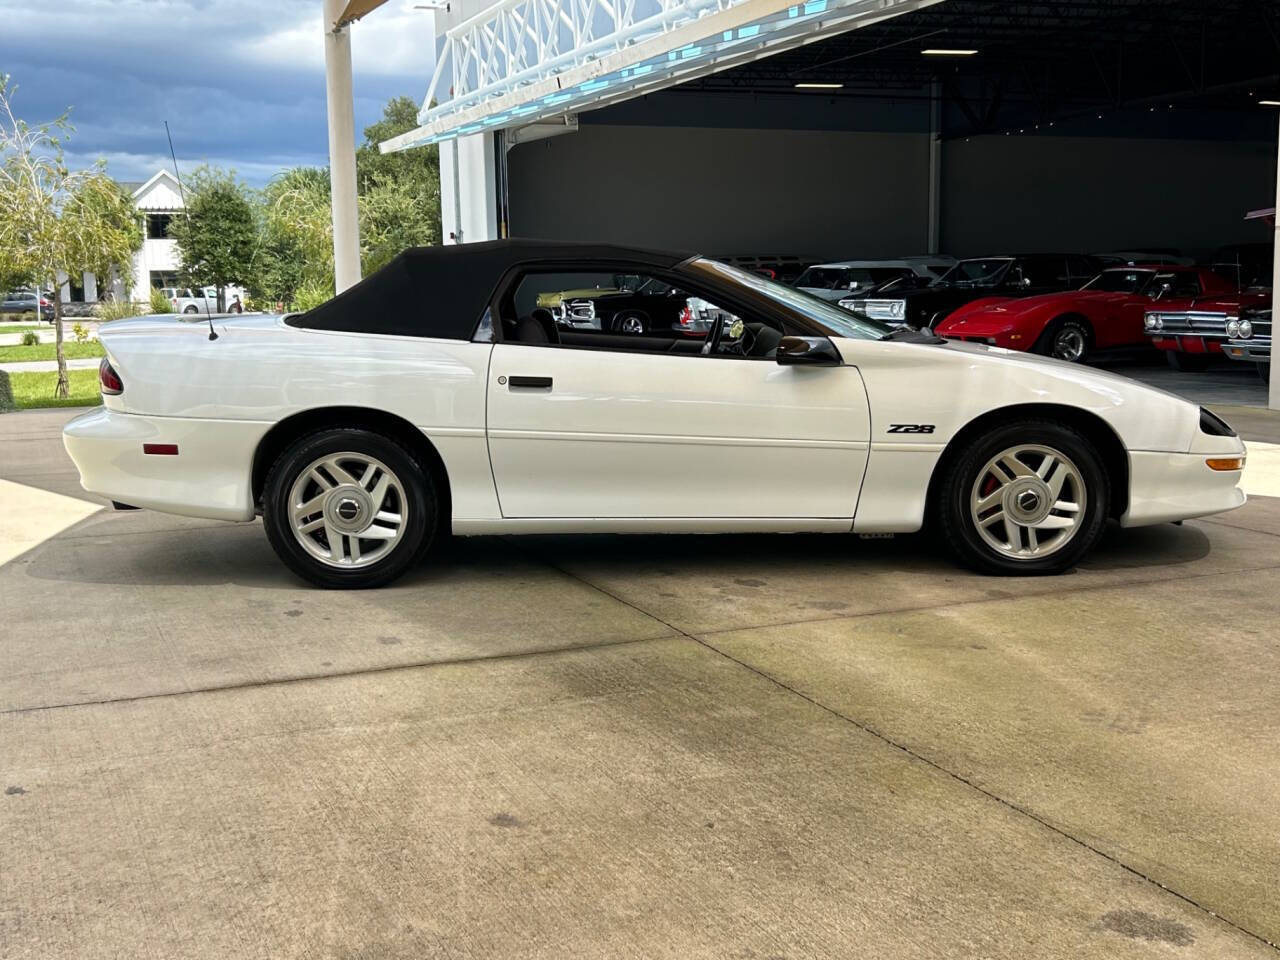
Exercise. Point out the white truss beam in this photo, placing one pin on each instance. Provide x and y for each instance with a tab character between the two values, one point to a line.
522	61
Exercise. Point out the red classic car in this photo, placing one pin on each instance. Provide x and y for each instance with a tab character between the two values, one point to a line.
1106	312
1192	330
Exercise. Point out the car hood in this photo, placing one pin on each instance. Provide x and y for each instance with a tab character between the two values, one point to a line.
824	293
1230	303
1028	304
1101	380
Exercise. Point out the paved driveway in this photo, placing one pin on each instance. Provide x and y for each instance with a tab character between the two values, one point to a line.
729	747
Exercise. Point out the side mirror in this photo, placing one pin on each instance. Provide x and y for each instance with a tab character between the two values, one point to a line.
809	351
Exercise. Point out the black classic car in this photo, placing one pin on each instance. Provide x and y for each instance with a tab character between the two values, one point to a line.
1015	275
625	304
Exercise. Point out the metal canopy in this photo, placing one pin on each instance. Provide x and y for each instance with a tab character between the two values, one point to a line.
522	61
355	9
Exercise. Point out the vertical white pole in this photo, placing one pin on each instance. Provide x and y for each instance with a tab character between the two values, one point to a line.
342	148
934	240
1273	398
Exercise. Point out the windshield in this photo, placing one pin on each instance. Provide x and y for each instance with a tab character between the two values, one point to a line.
1121	281
977	273
848	278
837	322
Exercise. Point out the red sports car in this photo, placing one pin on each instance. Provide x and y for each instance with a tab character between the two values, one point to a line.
1105	313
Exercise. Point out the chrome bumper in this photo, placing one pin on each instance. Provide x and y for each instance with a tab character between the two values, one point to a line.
1255	351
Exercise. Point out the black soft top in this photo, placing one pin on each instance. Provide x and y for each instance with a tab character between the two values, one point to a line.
442	291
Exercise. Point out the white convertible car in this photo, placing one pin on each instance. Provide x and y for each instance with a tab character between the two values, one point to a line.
437	397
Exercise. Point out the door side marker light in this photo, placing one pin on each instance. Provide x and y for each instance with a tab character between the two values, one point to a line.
161	449
1231	463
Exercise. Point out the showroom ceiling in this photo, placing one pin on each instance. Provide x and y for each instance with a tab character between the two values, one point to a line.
1041	62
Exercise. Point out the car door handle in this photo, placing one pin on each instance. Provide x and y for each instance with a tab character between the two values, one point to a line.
529	383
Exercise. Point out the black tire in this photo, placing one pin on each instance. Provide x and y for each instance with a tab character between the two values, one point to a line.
1188	362
1264	371
1063	337
961	474
630	319
190	309
419	528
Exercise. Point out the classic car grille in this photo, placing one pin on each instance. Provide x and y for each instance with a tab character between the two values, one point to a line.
1192	322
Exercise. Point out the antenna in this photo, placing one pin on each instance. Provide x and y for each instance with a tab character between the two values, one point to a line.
213	334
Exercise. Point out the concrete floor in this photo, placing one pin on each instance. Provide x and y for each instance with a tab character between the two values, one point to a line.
728	747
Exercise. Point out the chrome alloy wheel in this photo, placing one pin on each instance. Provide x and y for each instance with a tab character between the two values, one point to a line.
1069	344
1028	502
348	510
631	324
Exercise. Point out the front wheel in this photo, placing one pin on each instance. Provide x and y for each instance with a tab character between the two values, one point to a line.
1029	498
1066	340
348	508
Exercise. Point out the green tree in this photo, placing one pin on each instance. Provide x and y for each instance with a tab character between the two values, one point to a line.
295	245
399	192
54	221
218	236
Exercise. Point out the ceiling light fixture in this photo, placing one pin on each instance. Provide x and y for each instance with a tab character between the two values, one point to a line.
947	52
1269	103
819	86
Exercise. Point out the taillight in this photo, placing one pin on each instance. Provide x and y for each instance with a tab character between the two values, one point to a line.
109	380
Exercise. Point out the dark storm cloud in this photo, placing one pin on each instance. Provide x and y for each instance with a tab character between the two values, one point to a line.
241	83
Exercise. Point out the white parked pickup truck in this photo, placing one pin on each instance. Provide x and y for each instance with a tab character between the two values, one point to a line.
203	299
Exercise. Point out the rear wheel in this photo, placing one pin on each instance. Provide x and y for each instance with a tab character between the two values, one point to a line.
1029	498
190	309
348	508
1187	362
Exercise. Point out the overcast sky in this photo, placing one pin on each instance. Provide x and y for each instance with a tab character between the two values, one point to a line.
241	82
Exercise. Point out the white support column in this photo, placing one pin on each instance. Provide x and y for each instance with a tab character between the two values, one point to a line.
469	189
934	239
1273	399
342	147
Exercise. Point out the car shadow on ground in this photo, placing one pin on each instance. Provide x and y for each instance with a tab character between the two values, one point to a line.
239	555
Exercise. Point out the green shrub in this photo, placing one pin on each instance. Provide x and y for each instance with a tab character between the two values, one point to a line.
117	310
159	302
310	294
30	338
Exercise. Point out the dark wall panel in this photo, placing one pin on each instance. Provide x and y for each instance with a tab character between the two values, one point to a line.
836	194
1097	194
725	191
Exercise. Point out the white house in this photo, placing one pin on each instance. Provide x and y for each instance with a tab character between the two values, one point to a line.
158	200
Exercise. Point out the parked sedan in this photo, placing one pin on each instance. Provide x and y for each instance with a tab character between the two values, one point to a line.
1020	275
361	434
1106	313
1249	339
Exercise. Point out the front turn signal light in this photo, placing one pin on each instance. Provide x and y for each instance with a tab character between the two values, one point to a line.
1226	463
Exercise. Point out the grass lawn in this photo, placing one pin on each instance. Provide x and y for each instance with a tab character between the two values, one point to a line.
17	327
32	390
44	351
